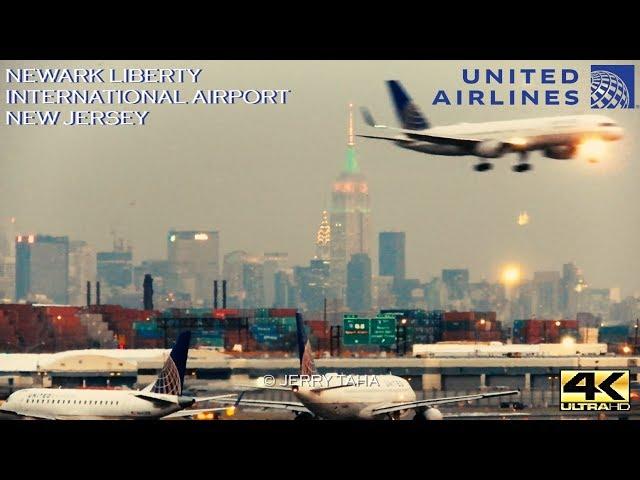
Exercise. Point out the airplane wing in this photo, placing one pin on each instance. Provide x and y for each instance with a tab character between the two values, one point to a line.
413	135
192	412
491	415
394	407
388	139
262	387
215	397
266	404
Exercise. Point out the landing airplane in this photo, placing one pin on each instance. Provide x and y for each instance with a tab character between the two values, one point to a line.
161	399
388	397
561	138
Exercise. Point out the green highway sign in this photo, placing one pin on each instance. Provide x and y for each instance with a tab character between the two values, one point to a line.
383	330
356	331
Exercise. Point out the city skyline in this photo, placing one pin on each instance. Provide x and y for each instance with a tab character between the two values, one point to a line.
193	170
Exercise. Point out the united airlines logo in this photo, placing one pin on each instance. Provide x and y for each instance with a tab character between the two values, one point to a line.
612	86
168	381
308	366
412	117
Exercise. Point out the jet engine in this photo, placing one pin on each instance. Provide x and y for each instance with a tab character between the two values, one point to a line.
489	149
428	414
560	152
433	414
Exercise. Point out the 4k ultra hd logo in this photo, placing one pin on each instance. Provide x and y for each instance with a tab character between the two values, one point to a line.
612	86
594	390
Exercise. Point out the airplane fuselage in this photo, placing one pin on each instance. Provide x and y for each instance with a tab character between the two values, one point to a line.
523	135
85	404
356	401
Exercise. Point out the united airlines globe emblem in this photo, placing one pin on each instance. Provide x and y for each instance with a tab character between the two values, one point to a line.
608	90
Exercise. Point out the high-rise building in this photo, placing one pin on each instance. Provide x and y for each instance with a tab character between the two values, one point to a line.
313	284
7	279
382	292
193	263
435	294
547	294
82	269
596	301
457	282
42	268
273	263
232	272
285	292
115	269
323	238
349	217
359	283
253	282
7	260
391	256
571	285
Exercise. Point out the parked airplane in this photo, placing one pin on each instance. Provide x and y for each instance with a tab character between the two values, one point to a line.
335	396
560	138
161	399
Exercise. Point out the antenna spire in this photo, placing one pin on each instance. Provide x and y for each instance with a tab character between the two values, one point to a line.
351	141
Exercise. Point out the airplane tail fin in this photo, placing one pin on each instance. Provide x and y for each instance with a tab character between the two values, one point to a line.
407	111
307	365
170	380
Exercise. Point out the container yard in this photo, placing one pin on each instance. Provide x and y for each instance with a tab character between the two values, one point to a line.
445	353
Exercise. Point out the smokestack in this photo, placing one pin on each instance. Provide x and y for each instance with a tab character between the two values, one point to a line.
224	294
97	293
147	286
215	294
88	293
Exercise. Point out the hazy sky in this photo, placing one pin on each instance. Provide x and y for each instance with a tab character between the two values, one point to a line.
261	175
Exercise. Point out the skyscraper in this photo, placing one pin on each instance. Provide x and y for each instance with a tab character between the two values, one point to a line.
232	272
349	217
82	269
313	283
193	263
7	259
323	238
285	296
359	283
457	282
115	269
547	294
273	262
253	282
42	268
391	256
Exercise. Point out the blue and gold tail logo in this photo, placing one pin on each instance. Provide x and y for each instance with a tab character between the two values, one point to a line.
612	86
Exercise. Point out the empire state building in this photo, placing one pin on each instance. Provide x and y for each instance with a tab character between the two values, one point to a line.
350	217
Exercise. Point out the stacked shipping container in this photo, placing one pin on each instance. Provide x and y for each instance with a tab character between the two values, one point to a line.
471	326
534	331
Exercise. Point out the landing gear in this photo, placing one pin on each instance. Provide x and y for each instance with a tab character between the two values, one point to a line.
304	416
522	165
483	167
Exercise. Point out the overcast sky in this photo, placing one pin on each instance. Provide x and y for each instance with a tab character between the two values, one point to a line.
261	175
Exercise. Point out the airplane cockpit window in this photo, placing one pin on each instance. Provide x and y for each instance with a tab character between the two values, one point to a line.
607	124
